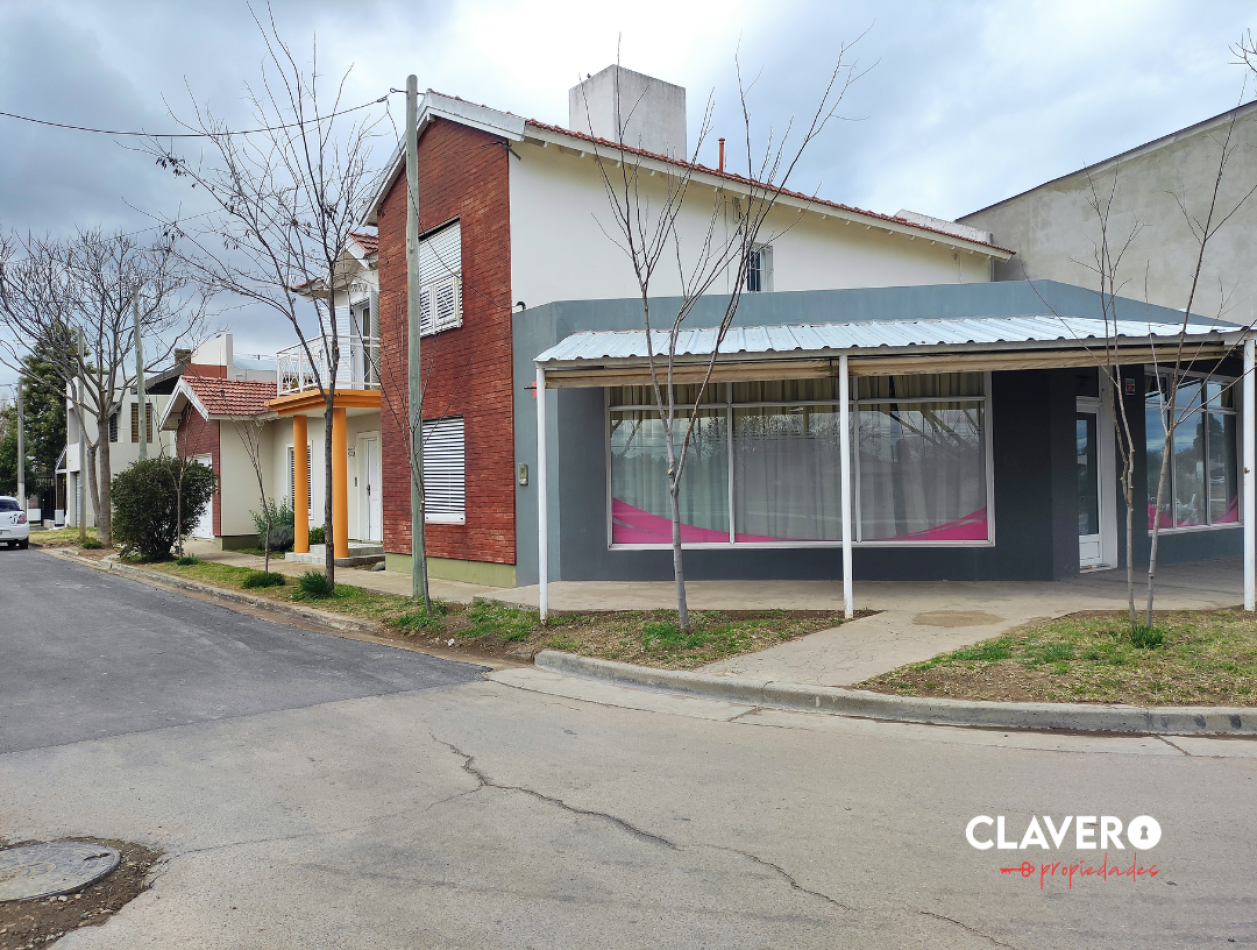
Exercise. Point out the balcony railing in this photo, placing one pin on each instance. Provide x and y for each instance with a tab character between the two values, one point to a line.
359	366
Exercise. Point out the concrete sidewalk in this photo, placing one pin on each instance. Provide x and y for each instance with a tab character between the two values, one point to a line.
915	620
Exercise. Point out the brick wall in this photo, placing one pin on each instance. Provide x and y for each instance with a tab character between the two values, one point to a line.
467	371
195	436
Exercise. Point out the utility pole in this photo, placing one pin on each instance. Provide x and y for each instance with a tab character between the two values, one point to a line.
142	414
414	362
81	514
21	450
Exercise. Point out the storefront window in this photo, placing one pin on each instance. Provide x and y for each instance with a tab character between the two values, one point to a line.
1202	483
920	463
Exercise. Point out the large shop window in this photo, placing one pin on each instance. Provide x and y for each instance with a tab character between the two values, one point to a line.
1202	484
764	466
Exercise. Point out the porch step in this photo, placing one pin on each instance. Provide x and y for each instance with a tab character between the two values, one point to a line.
360	555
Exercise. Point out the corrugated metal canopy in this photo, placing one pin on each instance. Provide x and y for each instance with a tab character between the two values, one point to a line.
980	334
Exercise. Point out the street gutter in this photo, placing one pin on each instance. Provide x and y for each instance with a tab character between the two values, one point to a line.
862	704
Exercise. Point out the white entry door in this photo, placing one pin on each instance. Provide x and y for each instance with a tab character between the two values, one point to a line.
1097	477
205	524
370	496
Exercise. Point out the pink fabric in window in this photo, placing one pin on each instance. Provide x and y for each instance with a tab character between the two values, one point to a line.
972	527
1232	514
631	525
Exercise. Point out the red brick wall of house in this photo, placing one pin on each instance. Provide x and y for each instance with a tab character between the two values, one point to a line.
467	371
195	436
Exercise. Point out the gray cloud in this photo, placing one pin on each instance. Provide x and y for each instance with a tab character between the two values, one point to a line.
967	103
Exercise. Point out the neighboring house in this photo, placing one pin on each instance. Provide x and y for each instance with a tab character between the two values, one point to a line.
124	438
285	405
513	217
1055	232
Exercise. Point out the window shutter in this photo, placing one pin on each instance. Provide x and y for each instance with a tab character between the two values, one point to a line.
292	477
444	473
441	273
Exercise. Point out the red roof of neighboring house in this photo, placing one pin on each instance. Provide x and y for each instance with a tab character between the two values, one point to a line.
231	397
368	242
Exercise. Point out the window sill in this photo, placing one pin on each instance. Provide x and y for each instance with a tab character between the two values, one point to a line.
445	519
1197	529
791	545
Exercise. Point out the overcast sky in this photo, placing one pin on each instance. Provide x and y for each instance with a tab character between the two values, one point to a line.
965	102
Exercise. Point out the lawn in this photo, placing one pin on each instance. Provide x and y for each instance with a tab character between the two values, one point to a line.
60	537
1195	657
647	638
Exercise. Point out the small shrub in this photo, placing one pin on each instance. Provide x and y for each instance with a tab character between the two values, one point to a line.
156	502
318	535
1143	637
91	544
314	584
990	652
188	560
281	524
418	620
264	579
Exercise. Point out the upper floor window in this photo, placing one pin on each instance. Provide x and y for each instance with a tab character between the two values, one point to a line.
113	427
759	269
135	423
441	280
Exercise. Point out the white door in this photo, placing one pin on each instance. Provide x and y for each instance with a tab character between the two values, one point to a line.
370	497
205	525
1090	539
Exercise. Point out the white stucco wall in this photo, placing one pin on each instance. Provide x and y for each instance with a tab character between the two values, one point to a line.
239	494
559	251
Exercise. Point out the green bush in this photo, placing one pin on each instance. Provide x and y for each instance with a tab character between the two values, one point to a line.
314	584
156	502
281	518
188	561
91	544
264	579
318	536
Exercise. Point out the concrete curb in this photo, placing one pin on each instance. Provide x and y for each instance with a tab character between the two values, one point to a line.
1080	717
170	582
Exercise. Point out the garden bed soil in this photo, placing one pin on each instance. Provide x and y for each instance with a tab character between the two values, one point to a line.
1207	658
28	924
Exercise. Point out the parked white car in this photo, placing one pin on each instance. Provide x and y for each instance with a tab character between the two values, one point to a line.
13	527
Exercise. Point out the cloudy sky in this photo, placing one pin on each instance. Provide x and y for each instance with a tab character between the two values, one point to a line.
964	103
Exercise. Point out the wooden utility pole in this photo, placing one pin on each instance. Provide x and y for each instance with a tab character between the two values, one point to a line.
21	450
81	495
142	414
414	363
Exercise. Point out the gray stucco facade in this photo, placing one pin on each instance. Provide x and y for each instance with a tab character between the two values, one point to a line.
1033	455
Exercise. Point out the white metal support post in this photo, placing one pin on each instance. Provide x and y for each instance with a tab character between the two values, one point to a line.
141	394
844	425
1250	495
21	449
543	514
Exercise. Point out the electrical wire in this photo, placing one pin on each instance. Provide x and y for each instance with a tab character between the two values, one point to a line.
195	135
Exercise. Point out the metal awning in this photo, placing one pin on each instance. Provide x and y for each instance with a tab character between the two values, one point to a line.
604	358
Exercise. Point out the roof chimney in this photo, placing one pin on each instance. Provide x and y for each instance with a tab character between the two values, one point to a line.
623	106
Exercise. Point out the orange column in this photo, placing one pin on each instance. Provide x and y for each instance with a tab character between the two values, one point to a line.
300	485
340	485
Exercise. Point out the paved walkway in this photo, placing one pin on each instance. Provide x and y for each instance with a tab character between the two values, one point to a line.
915	621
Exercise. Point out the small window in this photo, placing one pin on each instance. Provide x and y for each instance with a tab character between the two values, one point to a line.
759	270
292	478
441	274
113	427
135	424
444	471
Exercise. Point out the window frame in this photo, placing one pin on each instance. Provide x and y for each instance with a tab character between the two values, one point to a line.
727	405
447	518
431	286
765	270
1236	410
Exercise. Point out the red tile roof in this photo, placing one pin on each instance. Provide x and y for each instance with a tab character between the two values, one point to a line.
740	179
368	242
231	397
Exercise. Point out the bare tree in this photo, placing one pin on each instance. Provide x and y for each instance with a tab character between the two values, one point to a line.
656	224
250	429
87	284
288	197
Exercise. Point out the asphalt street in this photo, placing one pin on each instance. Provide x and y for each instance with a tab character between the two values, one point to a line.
311	792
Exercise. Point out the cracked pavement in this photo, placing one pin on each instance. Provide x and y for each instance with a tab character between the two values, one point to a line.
455	811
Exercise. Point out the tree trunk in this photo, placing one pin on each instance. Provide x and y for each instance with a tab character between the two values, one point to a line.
92	486
329	539
1166	450
678	568
104	514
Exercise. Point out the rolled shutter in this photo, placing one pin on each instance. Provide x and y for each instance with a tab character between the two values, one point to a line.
444	471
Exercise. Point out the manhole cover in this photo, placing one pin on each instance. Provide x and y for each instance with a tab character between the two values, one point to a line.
33	871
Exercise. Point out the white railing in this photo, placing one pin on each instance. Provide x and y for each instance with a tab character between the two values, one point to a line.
359	366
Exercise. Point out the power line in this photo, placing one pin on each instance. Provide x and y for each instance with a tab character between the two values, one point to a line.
194	135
